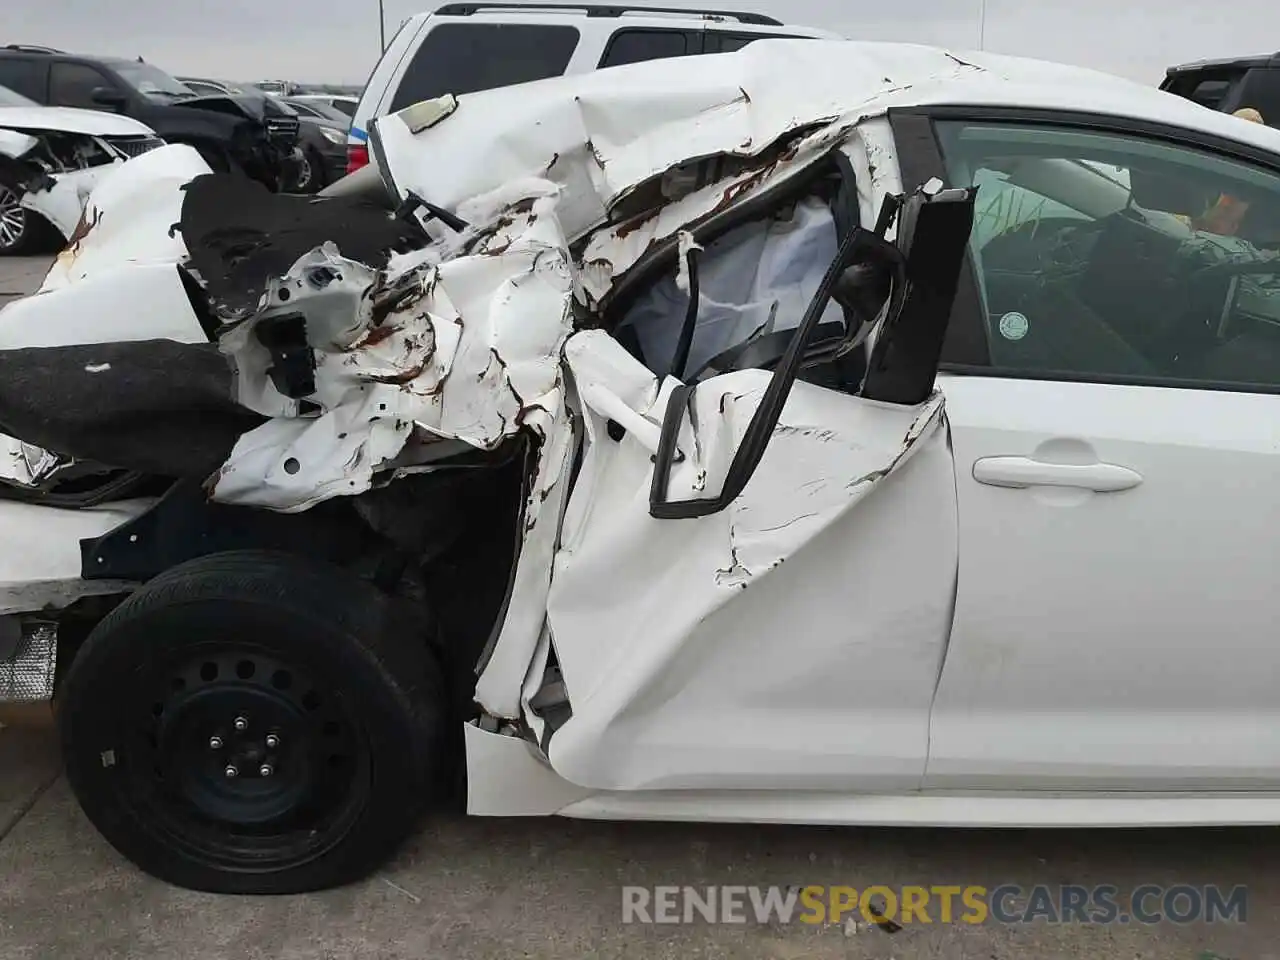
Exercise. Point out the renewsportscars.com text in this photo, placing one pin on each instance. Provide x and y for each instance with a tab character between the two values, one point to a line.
945	904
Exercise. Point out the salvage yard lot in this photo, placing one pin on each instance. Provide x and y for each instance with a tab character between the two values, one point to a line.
553	888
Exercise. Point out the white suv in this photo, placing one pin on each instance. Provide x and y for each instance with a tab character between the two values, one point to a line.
468	47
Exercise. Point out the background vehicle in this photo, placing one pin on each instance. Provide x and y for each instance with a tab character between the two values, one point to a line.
467	47
1228	85
323	142
252	134
277	88
317	107
341	102
49	156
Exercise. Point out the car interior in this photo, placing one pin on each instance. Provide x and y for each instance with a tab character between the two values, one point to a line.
1109	267
751	284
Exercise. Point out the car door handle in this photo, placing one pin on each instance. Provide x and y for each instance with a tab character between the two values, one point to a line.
1023	472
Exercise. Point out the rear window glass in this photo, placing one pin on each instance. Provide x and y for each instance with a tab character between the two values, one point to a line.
637	46
463	58
22	76
1209	89
1210	93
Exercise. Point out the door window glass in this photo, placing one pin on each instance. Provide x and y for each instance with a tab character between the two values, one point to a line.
72	85
1117	256
22	76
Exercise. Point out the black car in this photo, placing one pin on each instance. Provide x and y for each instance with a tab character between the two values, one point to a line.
323	139
232	132
1229	85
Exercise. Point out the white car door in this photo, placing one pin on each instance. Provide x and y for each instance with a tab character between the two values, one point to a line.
754	582
1117	448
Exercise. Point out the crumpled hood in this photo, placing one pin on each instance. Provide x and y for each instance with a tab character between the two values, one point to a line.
94	123
248	107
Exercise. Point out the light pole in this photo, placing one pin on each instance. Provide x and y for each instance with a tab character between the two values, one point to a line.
382	27
982	24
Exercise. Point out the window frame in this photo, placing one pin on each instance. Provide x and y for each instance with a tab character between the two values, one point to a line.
965	349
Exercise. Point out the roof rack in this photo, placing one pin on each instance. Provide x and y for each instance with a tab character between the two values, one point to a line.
592	10
31	48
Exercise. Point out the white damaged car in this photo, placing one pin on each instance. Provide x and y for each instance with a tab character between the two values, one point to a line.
50	160
833	433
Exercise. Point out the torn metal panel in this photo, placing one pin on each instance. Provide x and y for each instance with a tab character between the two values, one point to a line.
129	216
466	349
873	153
27	465
501	687
63	201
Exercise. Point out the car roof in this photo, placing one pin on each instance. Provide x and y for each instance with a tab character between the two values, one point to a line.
53	55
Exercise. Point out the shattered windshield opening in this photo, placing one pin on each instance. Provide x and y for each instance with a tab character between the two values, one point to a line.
152	82
733	301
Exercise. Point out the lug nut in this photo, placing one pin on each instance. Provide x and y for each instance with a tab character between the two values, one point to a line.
231	771
266	770
273	741
241	724
215	743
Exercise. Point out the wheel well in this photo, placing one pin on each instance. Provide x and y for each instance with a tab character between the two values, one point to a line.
447	540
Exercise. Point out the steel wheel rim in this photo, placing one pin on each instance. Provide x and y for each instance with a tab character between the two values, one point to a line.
13	218
253	820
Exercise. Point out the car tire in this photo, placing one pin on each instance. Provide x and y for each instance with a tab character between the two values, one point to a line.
310	174
22	232
256	723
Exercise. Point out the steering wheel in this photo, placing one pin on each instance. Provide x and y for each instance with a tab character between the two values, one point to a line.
1210	295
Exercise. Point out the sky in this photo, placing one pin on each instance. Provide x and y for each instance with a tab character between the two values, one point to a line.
336	41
